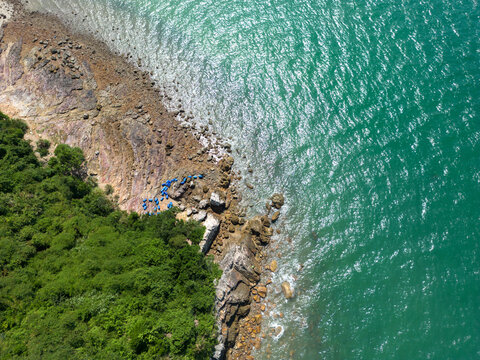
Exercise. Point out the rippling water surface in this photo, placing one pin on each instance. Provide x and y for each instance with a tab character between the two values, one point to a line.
366	115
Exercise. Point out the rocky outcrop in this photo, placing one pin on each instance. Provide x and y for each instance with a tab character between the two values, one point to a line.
273	266
226	163
200	216
179	190
203	204
212	225
278	200
255	225
240	271
217	202
71	89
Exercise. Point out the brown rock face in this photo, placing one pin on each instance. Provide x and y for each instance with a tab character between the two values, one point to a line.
268	206
243	311
96	103
224	180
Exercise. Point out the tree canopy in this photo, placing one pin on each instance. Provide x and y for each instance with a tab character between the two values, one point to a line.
83	280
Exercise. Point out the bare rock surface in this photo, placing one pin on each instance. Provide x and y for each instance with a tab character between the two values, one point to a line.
200	216
240	269
217	201
212	225
80	94
273	266
6	12
275	216
203	204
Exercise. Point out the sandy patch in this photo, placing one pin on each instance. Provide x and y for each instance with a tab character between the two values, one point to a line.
6	12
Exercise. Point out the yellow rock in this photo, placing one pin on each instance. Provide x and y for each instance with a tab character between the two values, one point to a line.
262	291
273	266
287	290
275	216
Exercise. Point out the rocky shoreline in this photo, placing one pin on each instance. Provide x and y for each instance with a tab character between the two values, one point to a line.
72	89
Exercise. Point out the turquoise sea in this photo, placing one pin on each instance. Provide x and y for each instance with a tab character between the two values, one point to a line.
366	114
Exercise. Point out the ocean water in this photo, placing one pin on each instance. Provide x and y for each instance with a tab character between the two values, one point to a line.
366	114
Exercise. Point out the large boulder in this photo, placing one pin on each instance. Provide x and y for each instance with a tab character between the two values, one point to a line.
217	201
241	294
203	204
255	225
202	214
262	291
287	290
226	163
278	200
273	266
275	216
179	190
212	225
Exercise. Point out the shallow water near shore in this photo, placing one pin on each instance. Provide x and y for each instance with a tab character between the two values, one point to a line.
366	115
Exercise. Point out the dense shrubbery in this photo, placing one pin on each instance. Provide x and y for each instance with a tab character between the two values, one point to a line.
81	280
43	146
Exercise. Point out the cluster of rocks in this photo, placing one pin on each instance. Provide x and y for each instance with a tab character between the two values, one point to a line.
248	330
56	56
238	246
239	289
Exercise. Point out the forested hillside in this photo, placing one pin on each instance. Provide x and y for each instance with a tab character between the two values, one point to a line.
83	280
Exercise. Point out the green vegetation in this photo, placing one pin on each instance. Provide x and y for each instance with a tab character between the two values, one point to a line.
43	146
81	280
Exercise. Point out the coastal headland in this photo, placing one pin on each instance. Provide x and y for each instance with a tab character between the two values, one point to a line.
70	88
